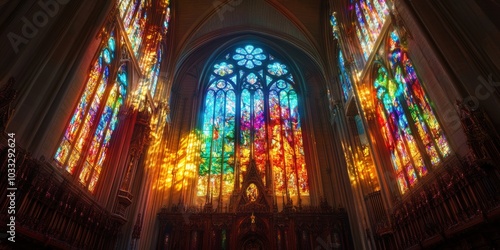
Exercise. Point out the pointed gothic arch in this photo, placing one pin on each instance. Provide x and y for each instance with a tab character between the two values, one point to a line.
250	115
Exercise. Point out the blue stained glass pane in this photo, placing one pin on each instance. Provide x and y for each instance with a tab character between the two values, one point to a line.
260	57
249	49
249	64
344	77
112	44
335	28
252	78
238	57
257	51
277	69
122	78
269	79
106	54
240	51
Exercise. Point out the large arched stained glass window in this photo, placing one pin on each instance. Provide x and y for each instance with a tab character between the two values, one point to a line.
251	117
405	155
418	103
370	16
409	127
86	141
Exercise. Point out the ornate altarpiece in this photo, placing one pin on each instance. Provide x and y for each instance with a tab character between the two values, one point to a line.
252	221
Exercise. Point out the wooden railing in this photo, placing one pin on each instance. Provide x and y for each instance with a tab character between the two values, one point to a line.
52	212
461	197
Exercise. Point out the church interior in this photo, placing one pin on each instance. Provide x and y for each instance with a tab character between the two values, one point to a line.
250	124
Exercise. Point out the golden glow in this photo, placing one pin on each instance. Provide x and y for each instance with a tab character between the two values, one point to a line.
365	169
147	64
165	3
158	156
186	161
360	167
367	100
176	168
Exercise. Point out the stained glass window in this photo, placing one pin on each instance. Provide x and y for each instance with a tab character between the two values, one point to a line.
133	14
166	21
345	79
427	125
411	131
335	26
85	143
251	117
370	17
125	8
153	71
151	60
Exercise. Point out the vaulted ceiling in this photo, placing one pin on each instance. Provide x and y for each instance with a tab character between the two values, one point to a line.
297	28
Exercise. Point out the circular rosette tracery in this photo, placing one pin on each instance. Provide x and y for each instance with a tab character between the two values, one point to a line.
249	56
